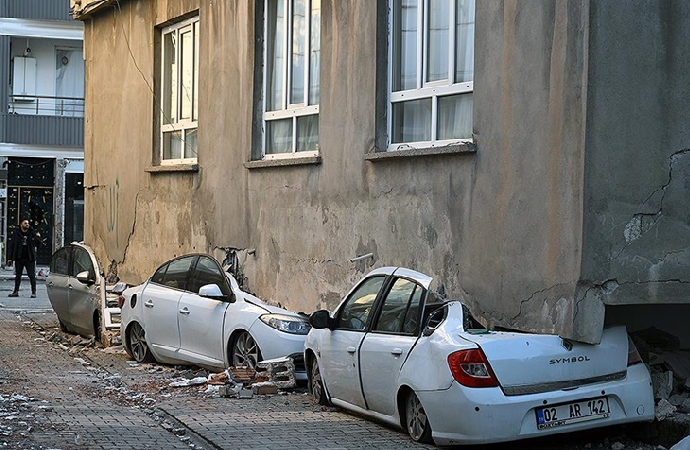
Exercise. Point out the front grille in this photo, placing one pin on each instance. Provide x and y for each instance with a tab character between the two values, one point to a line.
560	385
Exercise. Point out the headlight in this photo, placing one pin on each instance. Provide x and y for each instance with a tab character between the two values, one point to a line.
287	324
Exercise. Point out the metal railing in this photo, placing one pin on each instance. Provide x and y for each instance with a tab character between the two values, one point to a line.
44	105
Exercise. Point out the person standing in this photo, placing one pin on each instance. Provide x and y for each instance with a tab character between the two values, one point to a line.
22	250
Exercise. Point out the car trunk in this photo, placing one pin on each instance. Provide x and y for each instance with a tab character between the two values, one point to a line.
529	363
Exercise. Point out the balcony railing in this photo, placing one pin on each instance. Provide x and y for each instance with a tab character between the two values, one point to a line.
43	105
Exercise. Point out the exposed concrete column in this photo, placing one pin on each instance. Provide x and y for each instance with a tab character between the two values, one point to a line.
59	204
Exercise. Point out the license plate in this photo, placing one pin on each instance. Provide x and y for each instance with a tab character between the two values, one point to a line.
580	411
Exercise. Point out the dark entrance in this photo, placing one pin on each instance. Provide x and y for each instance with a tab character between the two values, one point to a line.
74	207
30	184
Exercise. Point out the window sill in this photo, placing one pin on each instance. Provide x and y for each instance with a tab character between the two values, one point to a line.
162	168
282	162
453	149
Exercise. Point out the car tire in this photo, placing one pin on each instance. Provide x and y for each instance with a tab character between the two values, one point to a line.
245	351
140	351
416	421
63	327
316	386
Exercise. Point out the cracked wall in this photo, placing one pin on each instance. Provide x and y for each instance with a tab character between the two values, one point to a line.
637	165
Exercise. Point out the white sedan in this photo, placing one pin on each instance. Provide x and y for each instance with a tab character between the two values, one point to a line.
395	351
191	311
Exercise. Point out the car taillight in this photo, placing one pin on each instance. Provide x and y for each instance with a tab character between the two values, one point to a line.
471	368
120	301
633	354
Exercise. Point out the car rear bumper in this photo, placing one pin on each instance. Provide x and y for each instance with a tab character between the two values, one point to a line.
461	415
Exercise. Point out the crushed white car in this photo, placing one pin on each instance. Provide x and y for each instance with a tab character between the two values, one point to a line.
396	351
191	311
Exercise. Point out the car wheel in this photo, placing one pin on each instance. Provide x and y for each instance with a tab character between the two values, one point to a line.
316	387
63	327
245	351
137	344
416	421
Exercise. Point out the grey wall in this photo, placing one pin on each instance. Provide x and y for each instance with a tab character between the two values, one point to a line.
637	167
35	9
43	130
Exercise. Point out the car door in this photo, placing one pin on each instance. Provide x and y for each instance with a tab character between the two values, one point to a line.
201	318
57	282
393	333
160	299
83	301
339	349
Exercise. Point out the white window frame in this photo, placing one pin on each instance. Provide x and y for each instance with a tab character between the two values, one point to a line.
187	124
288	109
424	89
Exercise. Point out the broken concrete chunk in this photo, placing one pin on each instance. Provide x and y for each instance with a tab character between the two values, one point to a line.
684	407
677	399
265	388
678	362
229	390
245	393
664	410
617	446
662	383
242	374
189	382
280	371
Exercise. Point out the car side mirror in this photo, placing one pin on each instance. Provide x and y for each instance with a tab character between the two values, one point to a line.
321	319
211	291
83	277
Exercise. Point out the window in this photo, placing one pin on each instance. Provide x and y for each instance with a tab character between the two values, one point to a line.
59	262
292	54
354	313
179	91
178	270
81	262
208	272
160	274
431	70
400	311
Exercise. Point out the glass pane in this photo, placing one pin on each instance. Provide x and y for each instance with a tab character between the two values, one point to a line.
172	145
169	79
356	310
454	117
404	41
275	58
190	143
464	40
187	62
81	262
299	44
412	121
396	306
177	273
278	136
160	273
195	95
438	36
208	272
307	133
315	55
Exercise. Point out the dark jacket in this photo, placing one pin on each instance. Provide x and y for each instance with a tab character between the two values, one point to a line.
14	246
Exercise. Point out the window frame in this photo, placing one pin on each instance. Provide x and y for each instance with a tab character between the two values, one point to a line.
288	110
192	123
424	89
374	305
382	301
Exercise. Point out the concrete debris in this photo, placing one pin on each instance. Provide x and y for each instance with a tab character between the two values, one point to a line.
677	399
617	446
684	444
678	362
245	393
242	374
664	410
219	378
82	361
280	371
657	338
662	383
684	407
189	382
265	388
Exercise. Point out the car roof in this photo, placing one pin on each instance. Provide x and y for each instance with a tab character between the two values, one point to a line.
419	277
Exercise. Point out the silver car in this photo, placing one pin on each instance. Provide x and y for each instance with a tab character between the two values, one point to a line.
77	292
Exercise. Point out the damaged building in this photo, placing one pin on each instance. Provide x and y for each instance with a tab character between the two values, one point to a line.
552	195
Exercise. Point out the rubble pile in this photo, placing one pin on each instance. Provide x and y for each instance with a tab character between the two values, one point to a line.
669	367
20	416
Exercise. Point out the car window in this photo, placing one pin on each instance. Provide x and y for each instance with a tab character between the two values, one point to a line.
400	310
177	273
81	261
59	263
355	312
208	272
160	273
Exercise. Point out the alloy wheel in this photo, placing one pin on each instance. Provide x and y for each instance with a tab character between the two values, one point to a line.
317	389
416	419
245	351
137	343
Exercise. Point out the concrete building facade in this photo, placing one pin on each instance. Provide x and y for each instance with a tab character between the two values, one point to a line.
530	155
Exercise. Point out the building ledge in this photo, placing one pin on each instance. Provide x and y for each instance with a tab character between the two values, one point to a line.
283	162
165	168
453	149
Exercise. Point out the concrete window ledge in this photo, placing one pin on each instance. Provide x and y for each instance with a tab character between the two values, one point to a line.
283	162
165	168
463	148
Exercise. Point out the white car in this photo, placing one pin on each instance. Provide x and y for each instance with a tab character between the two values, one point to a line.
395	351
191	311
